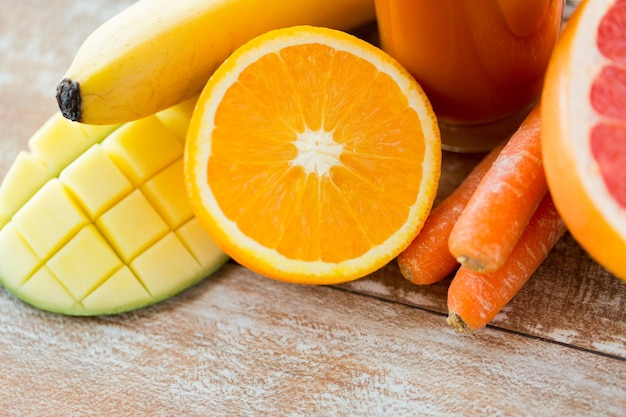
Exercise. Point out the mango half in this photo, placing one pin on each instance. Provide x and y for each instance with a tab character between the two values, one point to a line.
94	220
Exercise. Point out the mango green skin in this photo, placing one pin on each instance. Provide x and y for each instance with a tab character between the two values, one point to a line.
94	220
160	52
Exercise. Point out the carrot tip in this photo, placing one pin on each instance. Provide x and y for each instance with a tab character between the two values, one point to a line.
457	323
405	272
471	264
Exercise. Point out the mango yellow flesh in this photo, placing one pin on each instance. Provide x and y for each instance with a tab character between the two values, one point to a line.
95	220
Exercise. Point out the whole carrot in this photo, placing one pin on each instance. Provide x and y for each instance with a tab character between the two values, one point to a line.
474	299
500	208
427	259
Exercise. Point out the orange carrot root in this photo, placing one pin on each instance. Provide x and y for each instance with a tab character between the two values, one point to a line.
474	299
497	213
427	259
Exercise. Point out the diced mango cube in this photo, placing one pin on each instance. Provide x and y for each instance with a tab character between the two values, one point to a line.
120	292
132	225
17	259
95	181
166	191
199	244
162	267
44	290
177	118
27	175
49	219
84	262
142	148
57	143
60	141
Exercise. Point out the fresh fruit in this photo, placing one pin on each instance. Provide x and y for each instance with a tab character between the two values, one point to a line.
157	53
584	125
312	156
94	219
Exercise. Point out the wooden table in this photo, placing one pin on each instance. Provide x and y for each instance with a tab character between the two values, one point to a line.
239	344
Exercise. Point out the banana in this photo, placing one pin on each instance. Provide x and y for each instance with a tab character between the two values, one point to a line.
95	220
157	53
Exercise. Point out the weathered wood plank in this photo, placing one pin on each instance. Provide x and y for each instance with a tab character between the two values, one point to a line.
240	344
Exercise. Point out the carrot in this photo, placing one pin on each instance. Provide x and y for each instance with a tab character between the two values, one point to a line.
474	299
427	259
506	198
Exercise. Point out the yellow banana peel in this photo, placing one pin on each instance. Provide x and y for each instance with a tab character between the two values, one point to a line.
157	53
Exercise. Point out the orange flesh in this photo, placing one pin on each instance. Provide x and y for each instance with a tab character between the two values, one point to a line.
495	46
364	205
608	98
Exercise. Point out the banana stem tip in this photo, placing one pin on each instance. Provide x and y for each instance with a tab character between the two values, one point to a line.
68	98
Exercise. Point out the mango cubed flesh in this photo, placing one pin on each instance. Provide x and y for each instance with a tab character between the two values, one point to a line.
44	290
95	181
176	118
132	225
49	219
82	274
166	193
51	148
143	148
17	259
25	176
163	260
112	230
200	245
61	141
120	292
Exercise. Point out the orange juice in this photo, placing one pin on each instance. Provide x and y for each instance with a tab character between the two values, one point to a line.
481	62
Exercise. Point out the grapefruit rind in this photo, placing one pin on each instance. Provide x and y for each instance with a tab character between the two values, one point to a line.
592	215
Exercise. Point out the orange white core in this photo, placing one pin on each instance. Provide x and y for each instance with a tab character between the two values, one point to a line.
318	152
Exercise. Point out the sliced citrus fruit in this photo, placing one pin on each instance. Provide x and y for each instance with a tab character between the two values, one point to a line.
312	156
584	130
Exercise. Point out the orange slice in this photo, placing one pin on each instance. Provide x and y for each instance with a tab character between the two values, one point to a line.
584	125
312	156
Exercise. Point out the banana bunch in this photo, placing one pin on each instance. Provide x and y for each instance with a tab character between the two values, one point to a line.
158	53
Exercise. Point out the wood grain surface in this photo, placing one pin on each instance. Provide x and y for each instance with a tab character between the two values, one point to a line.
242	345
239	344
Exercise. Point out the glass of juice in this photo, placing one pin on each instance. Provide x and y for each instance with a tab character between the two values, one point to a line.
480	62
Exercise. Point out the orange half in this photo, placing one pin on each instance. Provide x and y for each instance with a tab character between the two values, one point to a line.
312	156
